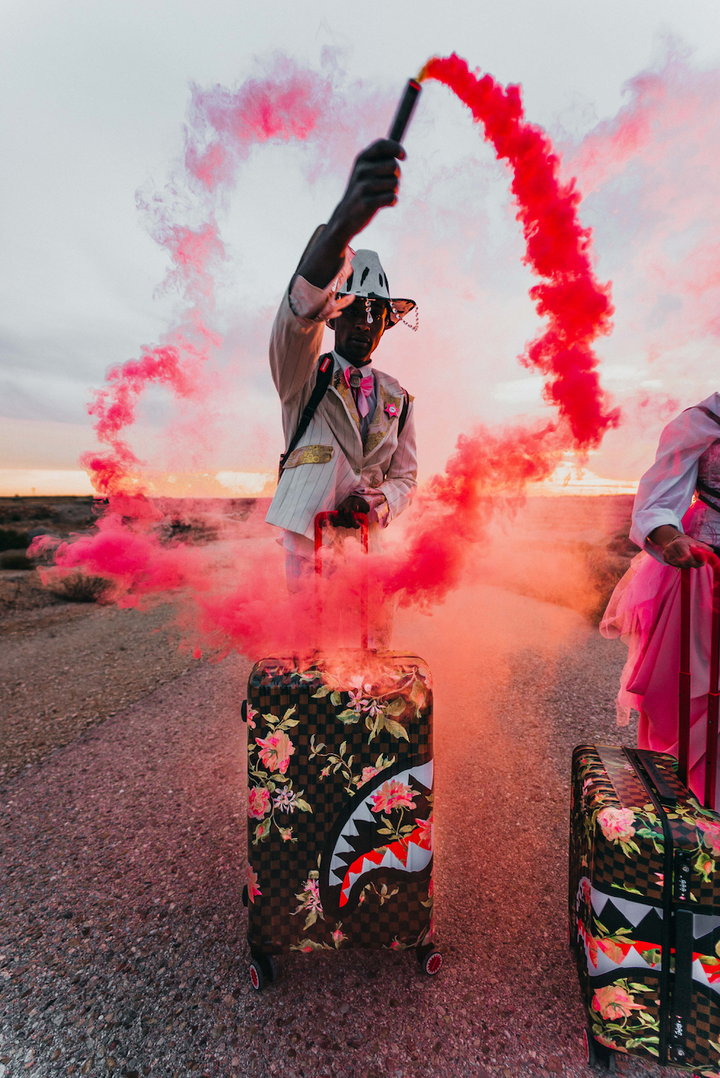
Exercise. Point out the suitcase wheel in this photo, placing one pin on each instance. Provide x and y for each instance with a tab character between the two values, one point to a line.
245	896
598	1055
263	972
430	960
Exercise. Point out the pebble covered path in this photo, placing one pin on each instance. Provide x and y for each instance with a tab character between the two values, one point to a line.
122	932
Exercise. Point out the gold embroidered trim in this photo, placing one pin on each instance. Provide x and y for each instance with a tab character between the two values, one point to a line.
373	440
310	454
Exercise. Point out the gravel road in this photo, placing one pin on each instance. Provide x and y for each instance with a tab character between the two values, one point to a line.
68	667
122	859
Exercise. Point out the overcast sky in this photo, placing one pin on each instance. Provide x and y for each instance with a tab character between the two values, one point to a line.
94	97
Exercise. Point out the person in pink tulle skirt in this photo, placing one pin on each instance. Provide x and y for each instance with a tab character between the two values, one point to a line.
677	508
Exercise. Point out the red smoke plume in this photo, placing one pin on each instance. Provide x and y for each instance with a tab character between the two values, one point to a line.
577	307
240	601
488	465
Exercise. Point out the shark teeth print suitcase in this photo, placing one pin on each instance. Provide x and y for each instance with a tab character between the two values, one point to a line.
340	806
644	899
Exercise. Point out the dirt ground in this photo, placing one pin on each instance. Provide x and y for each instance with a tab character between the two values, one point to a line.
122	824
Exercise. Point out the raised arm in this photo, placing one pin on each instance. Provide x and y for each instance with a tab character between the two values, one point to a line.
310	300
373	183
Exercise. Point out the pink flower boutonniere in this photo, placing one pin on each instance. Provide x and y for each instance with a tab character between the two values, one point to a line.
392	410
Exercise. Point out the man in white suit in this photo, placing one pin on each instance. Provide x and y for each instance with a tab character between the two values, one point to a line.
354	451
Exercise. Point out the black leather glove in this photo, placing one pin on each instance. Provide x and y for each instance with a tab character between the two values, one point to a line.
352	504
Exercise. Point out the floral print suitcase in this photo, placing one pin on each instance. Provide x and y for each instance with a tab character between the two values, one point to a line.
644	888
340	807
643	884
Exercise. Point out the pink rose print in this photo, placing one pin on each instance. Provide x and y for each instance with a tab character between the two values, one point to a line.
617	824
614	951
338	936
392	795
367	774
711	835
610	1043
426	832
276	751
614	1003
252	884
251	713
258	803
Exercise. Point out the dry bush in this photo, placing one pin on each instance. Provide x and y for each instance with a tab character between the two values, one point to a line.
576	574
80	588
10	539
606	565
190	530
15	559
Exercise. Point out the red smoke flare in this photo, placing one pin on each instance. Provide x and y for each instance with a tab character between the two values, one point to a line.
240	601
577	307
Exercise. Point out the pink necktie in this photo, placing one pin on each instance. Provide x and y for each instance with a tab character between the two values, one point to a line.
364	386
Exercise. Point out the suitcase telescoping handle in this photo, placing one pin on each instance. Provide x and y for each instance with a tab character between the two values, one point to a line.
684	687
333	518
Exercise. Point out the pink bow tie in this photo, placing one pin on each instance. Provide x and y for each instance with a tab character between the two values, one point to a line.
364	386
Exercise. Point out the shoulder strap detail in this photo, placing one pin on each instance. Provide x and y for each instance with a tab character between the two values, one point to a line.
325	368
404	413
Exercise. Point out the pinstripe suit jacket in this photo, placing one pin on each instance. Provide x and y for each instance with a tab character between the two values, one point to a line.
331	460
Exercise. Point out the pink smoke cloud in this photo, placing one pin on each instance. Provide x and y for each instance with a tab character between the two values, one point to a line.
238	599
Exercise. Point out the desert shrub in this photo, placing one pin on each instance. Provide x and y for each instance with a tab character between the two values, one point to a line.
42	512
13	540
606	566
190	530
79	588
15	559
240	508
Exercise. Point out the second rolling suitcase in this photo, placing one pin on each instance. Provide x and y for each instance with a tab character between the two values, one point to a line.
645	891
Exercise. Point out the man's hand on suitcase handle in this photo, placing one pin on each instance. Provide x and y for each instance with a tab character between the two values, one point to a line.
352	504
680	550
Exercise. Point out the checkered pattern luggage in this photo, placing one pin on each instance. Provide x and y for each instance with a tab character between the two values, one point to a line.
340	805
644	899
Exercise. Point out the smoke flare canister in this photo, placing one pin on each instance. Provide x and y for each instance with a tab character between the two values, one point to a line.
405	110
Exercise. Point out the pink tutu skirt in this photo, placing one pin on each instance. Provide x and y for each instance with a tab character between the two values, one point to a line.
645	611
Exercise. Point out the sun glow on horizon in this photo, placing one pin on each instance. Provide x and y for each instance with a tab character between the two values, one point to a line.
566	480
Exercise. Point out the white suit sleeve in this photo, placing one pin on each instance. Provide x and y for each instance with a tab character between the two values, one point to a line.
297	332
666	490
401	477
294	349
